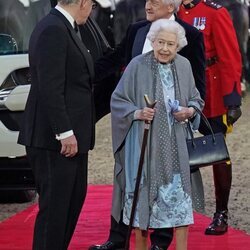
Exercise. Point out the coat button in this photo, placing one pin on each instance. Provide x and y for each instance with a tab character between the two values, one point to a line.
215	77
186	12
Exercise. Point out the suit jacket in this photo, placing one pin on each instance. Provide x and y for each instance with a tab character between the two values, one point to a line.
60	97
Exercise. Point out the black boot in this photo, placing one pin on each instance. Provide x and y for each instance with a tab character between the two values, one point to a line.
219	224
222	183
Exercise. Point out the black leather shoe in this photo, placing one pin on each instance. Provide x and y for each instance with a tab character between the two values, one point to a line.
219	224
155	247
108	245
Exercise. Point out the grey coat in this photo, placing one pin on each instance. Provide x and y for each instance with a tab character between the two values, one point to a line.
137	80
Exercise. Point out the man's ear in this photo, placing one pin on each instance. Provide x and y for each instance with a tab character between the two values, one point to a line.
171	8
83	3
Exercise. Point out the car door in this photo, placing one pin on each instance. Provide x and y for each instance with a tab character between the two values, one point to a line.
17	20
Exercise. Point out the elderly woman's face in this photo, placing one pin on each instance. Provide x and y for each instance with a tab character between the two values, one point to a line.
165	46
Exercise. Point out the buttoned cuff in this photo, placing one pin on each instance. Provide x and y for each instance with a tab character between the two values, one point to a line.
64	135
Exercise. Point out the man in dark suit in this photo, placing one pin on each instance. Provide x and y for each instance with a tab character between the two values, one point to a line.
132	45
58	128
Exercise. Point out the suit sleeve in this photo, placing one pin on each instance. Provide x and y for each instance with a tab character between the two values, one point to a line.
111	62
51	64
229	58
197	60
116	59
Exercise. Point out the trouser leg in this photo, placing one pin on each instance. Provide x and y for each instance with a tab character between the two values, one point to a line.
162	237
77	197
116	239
222	172
55	180
118	232
222	183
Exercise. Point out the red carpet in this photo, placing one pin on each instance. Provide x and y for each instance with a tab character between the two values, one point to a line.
93	227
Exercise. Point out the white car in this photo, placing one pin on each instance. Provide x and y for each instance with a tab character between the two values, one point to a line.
17	20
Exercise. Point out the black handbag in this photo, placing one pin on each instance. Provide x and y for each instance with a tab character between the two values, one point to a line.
208	149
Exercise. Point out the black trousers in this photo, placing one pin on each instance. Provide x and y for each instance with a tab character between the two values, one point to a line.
160	237
222	172
62	185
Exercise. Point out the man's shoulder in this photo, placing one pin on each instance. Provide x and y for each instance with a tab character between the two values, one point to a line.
215	10
51	20
133	28
139	24
212	4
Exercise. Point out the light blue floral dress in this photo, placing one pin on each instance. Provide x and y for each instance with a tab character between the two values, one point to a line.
173	207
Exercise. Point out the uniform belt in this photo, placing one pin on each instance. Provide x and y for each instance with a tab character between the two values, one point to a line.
211	61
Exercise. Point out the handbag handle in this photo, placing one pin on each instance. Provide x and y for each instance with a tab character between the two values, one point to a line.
205	120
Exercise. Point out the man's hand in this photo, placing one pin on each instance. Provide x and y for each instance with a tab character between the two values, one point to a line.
69	146
233	114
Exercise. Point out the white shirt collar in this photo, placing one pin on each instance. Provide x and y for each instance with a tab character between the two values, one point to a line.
172	18
66	14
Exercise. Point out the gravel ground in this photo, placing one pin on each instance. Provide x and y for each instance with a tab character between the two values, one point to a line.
101	171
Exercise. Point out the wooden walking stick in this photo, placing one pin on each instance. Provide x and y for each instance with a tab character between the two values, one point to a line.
149	104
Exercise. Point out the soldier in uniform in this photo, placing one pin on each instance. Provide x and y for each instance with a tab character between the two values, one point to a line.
223	89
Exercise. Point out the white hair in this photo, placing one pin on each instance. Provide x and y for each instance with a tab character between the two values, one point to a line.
168	26
67	2
175	3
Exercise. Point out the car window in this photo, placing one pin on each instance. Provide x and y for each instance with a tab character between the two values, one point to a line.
17	20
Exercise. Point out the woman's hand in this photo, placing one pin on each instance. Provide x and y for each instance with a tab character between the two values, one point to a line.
146	114
184	114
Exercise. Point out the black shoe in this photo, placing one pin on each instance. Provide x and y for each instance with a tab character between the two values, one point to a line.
109	245
219	224
155	247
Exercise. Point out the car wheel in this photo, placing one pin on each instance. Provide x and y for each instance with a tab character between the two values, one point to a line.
27	196
18	196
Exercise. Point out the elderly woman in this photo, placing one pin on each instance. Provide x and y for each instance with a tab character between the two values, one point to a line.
165	190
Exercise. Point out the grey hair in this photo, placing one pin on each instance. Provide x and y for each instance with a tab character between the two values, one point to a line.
175	3
168	26
67	2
